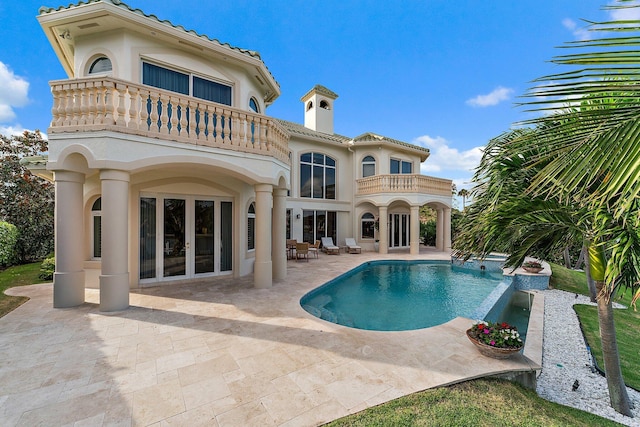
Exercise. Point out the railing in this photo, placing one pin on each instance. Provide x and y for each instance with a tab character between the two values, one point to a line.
93	104
403	184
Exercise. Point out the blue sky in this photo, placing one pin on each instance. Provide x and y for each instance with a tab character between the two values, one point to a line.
443	74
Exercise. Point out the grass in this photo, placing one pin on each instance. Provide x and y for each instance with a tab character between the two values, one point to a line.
484	402
19	275
627	324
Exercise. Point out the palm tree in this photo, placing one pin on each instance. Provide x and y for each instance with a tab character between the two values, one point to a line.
464	193
587	171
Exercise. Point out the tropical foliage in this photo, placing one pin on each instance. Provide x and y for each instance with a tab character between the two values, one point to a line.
26	201
499	335
574	173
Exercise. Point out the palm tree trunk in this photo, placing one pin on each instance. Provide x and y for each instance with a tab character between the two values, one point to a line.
587	270
618	395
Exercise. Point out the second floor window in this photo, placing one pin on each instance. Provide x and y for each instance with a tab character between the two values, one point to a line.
368	166
400	166
317	176
186	84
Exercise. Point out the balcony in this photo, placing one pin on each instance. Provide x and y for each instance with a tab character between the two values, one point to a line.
403	184
95	104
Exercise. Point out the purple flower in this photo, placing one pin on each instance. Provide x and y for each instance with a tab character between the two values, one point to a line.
486	331
492	342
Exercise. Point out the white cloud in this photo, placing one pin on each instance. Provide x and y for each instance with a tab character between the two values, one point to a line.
626	13
498	95
580	33
8	131
445	158
13	93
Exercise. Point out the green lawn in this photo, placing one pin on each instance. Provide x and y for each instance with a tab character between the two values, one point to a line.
484	402
627	324
19	275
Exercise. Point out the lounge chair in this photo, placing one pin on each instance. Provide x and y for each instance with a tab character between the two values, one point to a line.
313	249
302	251
351	246
329	247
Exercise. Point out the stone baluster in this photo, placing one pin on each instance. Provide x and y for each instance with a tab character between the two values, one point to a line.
120	109
226	124
144	112
134	105
174	119
164	114
82	87
75	101
55	108
243	124
184	123
193	130
91	102
108	102
235	130
155	98
206	120
263	134
218	126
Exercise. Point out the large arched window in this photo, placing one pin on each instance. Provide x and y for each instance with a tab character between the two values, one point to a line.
100	65
317	176
251	227
368	166
96	222
367	228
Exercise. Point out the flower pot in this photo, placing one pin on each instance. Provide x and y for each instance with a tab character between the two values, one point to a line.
533	269
491	351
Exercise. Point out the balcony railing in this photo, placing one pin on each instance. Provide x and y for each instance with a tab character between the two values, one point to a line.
94	104
403	184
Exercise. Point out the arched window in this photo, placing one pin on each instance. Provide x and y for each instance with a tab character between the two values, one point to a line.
96	222
253	105
309	105
317	176
251	227
367	226
368	166
100	65
324	104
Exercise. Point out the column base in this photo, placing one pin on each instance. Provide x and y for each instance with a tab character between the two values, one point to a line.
262	274
279	267
68	289
114	292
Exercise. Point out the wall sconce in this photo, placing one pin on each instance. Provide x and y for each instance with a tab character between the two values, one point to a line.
297	216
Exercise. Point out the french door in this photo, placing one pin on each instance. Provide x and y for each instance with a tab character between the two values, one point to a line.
184	237
399	230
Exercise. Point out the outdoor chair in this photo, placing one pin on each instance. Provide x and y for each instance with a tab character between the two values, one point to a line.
329	247
302	251
313	249
352	247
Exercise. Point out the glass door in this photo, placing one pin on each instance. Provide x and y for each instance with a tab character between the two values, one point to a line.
399	230
175	244
184	237
203	251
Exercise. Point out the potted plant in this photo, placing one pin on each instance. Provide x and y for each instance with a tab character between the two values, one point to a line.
497	340
532	266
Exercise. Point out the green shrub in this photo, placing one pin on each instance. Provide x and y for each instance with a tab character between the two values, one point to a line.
8	237
47	268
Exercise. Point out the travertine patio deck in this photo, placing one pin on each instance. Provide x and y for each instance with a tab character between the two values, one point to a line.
219	353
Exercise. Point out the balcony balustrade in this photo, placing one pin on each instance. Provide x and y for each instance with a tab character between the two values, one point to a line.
403	184
95	104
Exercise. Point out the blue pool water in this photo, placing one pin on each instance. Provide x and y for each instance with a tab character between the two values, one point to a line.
400	295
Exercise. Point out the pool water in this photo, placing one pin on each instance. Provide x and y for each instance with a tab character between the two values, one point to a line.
400	295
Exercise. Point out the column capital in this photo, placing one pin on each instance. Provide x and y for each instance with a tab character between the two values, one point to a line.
279	192
114	175
263	188
68	176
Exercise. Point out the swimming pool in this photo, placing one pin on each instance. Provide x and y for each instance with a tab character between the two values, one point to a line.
400	295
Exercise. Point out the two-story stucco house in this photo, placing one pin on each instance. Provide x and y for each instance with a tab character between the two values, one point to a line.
167	168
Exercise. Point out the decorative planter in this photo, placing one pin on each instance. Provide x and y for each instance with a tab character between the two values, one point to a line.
533	269
490	351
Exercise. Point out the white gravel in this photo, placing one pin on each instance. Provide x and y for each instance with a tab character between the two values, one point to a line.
565	359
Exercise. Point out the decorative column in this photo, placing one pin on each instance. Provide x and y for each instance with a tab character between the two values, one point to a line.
414	227
262	267
440	229
279	236
383	231
68	279
447	230
114	280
